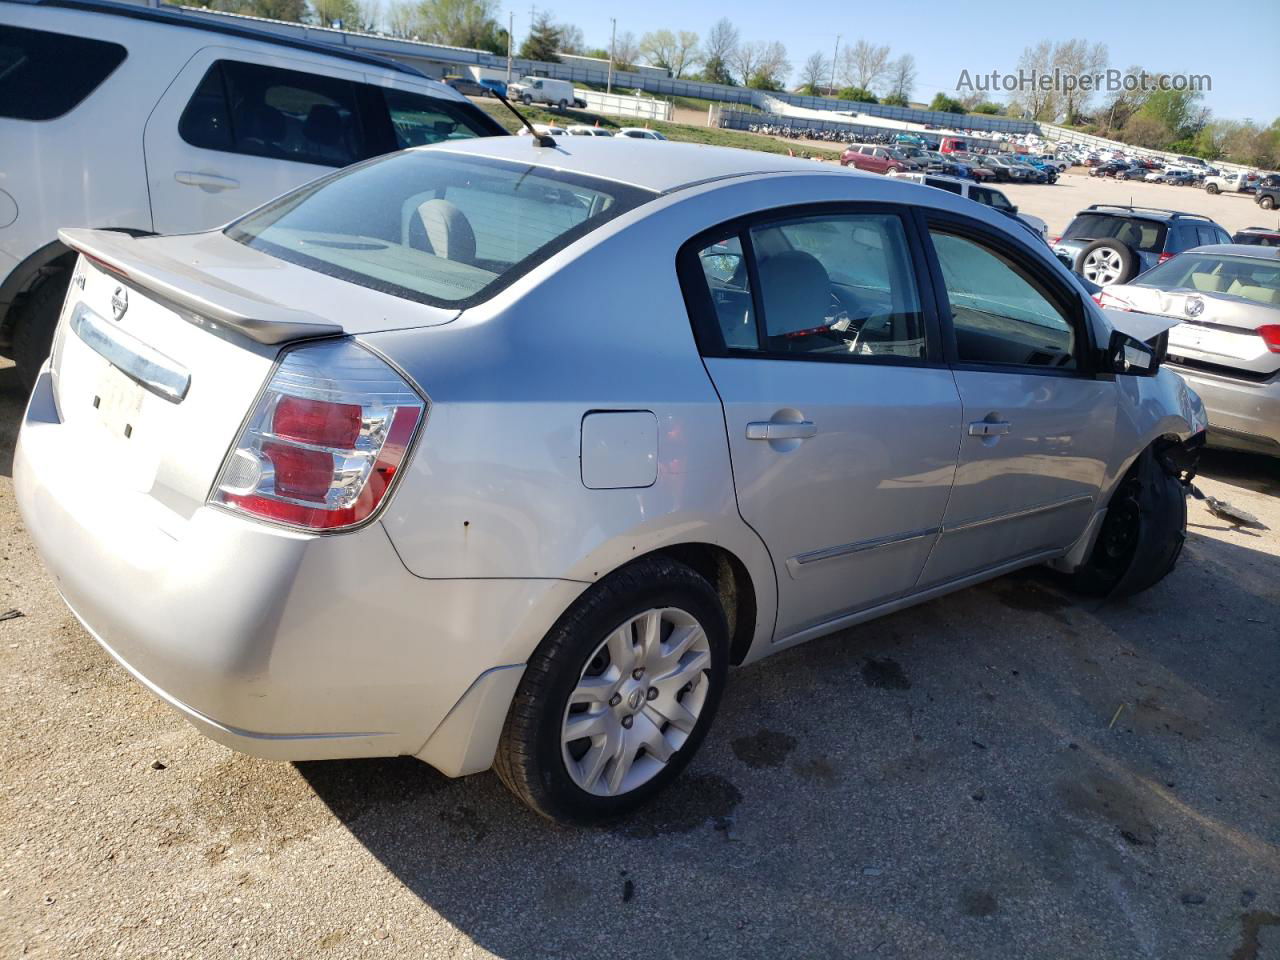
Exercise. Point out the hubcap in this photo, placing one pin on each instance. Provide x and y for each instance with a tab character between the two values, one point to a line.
637	701
1103	266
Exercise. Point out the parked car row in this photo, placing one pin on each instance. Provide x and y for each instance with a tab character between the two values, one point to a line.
586	130
951	159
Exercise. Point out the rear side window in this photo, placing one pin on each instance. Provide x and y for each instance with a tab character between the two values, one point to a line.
417	120
44	75
280	114
949	185
432	226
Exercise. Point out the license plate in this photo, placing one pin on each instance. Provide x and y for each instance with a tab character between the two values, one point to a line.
118	401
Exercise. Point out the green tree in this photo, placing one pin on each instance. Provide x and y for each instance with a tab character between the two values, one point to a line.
896	100
333	13
461	23
715	70
987	107
543	41
1178	110
856	94
944	104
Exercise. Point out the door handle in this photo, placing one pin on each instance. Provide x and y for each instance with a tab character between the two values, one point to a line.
210	182
781	430
989	428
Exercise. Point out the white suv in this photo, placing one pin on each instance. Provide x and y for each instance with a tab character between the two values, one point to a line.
148	121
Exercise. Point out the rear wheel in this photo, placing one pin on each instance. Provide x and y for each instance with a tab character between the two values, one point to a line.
618	696
564	105
35	323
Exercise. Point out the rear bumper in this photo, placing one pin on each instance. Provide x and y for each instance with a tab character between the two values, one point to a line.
277	644
1242	413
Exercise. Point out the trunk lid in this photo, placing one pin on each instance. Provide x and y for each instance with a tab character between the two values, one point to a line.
164	345
1219	330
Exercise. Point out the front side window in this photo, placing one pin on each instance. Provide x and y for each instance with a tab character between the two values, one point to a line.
417	120
836	287
433	226
44	75
999	316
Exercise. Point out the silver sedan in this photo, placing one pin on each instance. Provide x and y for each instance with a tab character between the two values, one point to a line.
1226	301
500	455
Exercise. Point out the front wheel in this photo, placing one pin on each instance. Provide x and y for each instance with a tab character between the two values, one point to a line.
1141	536
1267	203
618	696
527	100
1211	188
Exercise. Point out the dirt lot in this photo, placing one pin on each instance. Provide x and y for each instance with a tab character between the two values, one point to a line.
1007	772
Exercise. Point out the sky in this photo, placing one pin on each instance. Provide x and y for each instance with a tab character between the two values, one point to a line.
1235	43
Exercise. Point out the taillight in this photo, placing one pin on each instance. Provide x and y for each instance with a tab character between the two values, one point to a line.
325	441
1055	239
1110	301
1166	256
1270	334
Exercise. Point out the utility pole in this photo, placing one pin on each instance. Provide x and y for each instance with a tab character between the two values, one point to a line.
834	53
511	26
613	40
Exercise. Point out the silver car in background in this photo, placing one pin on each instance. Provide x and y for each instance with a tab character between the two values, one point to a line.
1226	299
499	455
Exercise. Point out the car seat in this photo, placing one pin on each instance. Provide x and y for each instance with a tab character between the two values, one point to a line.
449	233
795	292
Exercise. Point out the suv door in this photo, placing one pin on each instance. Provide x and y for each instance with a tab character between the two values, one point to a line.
842	418
1039	423
229	134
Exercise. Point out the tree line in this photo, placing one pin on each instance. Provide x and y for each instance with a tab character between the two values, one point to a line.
863	71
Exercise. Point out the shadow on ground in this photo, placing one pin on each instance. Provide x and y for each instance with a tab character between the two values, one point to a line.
1000	772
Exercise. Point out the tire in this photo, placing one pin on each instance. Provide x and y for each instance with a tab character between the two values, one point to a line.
1107	261
533	759
1211	188
563	105
35	324
1267	203
890	171
527	100
1142	535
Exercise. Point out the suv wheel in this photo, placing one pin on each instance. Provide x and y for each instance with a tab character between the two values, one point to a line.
1210	188
1267	203
35	324
618	696
1107	261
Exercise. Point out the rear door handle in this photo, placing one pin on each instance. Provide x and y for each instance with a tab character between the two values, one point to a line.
206	181
781	430
989	428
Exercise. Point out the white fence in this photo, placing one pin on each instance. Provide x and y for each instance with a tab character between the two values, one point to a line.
621	105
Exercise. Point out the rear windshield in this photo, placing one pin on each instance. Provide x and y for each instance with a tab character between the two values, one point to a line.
1249	278
1145	235
44	75
434	226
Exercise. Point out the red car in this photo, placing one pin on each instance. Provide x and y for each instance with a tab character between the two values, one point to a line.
874	159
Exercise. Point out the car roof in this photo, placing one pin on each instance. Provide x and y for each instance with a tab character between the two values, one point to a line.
245	30
622	160
1142	213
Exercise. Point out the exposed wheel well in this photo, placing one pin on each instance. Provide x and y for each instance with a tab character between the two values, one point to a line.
733	584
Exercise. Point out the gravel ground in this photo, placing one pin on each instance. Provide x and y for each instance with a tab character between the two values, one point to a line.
1007	772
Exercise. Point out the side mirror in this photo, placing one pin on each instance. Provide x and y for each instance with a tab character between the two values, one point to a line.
1130	355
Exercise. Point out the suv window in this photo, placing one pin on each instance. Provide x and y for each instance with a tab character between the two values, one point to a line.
1145	235
941	184
836	286
281	114
309	118
999	316
44	75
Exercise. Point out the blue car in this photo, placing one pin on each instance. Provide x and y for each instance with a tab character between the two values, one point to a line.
496	86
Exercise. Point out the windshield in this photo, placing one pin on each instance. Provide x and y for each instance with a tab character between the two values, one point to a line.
434	226
1249	278
1145	235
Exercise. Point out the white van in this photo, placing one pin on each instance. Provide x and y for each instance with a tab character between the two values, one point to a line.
144	120
531	90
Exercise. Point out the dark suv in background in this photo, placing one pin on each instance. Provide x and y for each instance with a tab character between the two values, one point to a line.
1113	244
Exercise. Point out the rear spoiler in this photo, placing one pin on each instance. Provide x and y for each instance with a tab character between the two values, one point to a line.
206	300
